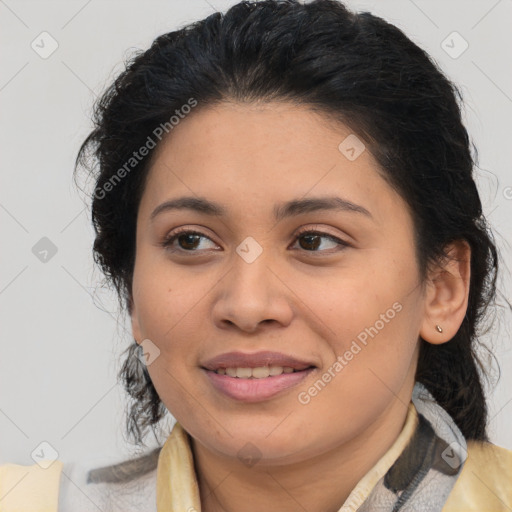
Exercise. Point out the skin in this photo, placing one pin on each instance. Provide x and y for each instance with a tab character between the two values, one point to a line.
306	300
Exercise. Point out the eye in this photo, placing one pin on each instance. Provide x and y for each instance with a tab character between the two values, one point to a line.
313	239
184	236
189	240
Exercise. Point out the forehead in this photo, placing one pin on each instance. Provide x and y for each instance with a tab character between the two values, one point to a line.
244	130
266	152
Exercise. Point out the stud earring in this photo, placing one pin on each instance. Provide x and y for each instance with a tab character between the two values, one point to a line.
439	328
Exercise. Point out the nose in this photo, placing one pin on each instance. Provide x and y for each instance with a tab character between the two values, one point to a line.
253	294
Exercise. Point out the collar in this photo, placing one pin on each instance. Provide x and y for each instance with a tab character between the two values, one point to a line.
396	478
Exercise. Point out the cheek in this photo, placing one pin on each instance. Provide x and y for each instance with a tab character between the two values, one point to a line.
164	296
374	312
170	313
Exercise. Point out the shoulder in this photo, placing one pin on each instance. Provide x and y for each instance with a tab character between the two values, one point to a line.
34	487
127	486
485	482
126	471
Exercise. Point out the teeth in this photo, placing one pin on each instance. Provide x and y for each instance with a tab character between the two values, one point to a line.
255	373
260	373
243	373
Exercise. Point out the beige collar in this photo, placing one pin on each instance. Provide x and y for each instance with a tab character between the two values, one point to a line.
177	488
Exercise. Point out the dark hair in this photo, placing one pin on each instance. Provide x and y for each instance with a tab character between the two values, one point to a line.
353	67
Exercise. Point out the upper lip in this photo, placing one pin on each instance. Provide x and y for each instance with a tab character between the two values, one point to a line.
254	360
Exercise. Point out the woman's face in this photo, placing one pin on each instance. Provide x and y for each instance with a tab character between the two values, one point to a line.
345	300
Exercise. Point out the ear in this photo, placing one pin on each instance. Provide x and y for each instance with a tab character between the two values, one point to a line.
446	294
136	332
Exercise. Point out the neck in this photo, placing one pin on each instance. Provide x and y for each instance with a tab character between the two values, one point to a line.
319	484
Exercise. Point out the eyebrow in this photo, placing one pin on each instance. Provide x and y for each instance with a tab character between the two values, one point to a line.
281	211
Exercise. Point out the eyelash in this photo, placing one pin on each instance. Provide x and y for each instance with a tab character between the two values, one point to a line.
184	231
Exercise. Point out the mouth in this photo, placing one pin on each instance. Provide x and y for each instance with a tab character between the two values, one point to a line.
255	377
261	372
259	361
256	389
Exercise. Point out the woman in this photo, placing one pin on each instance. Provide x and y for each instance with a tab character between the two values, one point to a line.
284	202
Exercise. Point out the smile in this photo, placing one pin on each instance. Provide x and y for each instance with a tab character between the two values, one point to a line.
255	384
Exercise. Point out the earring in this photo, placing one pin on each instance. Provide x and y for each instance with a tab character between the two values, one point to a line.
439	328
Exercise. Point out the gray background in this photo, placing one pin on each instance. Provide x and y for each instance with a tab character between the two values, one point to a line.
61	334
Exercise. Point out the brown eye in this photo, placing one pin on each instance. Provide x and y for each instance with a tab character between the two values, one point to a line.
190	241
311	240
187	240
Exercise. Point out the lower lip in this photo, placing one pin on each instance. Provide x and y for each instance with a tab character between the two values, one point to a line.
256	390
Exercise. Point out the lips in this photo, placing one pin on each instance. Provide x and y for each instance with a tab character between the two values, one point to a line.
255	360
257	390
